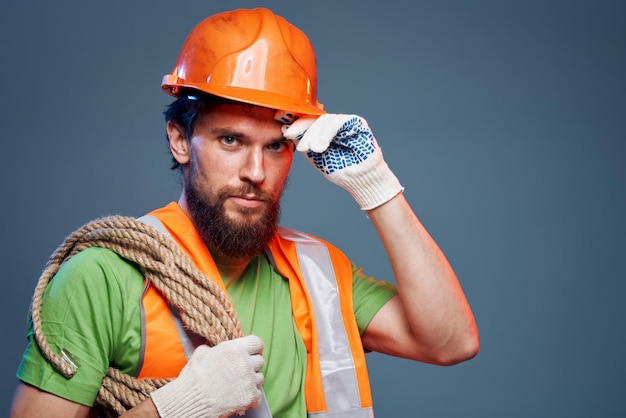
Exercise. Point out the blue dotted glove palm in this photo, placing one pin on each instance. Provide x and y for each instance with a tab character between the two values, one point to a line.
344	150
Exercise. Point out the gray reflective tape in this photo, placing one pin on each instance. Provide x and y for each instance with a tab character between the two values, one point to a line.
155	223
360	413
339	380
184	334
142	347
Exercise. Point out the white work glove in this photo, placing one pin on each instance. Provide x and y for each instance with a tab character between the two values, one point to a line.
344	150
217	382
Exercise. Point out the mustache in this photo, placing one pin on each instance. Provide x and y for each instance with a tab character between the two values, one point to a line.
246	190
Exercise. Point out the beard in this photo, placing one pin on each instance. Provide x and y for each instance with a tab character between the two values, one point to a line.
236	238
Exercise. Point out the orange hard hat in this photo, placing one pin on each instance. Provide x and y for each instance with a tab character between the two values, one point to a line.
250	56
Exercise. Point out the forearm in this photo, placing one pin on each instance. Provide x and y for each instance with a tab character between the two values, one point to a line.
434	306
30	402
145	409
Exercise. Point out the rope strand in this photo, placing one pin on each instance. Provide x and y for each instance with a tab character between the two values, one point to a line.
203	306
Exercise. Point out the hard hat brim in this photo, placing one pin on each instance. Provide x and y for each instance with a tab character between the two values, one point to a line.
249	96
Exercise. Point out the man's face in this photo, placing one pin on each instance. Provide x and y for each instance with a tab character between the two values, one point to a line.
237	167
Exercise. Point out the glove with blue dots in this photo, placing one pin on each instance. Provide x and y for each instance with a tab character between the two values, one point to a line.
344	150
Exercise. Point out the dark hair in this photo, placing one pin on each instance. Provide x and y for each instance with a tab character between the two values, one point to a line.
186	111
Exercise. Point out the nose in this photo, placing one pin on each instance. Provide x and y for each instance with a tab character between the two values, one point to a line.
253	169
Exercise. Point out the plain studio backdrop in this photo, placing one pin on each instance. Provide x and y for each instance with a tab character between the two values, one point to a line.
504	121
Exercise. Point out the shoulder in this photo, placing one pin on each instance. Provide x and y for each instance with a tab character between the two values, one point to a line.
91	309
97	258
309	250
97	268
296	236
94	284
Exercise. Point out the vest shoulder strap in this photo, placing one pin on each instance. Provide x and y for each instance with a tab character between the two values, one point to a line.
341	360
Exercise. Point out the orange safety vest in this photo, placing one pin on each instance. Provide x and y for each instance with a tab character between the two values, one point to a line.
320	284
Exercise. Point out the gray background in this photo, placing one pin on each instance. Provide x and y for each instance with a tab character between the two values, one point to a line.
504	121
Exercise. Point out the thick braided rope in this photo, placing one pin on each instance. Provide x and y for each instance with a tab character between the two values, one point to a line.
203	306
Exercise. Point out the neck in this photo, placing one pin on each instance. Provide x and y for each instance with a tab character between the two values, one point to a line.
230	268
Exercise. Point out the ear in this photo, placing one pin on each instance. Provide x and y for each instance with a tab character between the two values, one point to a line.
179	146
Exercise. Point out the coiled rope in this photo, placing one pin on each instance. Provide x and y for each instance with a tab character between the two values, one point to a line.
203	306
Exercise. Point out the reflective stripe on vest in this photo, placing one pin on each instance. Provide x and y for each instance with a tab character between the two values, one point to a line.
339	380
185	338
336	381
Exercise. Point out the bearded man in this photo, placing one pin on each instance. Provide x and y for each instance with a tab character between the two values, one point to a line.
245	89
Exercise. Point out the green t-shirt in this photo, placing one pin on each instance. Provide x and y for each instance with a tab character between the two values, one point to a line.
92	309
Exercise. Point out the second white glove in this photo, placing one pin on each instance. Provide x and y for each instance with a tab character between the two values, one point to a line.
344	150
217	382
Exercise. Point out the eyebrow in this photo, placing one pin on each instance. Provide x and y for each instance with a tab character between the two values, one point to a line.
238	134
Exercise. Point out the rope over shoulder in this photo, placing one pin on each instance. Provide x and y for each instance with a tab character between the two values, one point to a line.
169	269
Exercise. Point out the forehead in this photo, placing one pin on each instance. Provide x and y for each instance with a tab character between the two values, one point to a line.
239	117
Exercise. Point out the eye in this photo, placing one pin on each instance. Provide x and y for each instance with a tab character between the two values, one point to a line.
228	140
281	145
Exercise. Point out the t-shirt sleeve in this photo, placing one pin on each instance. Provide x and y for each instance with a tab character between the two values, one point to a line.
84	313
369	295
